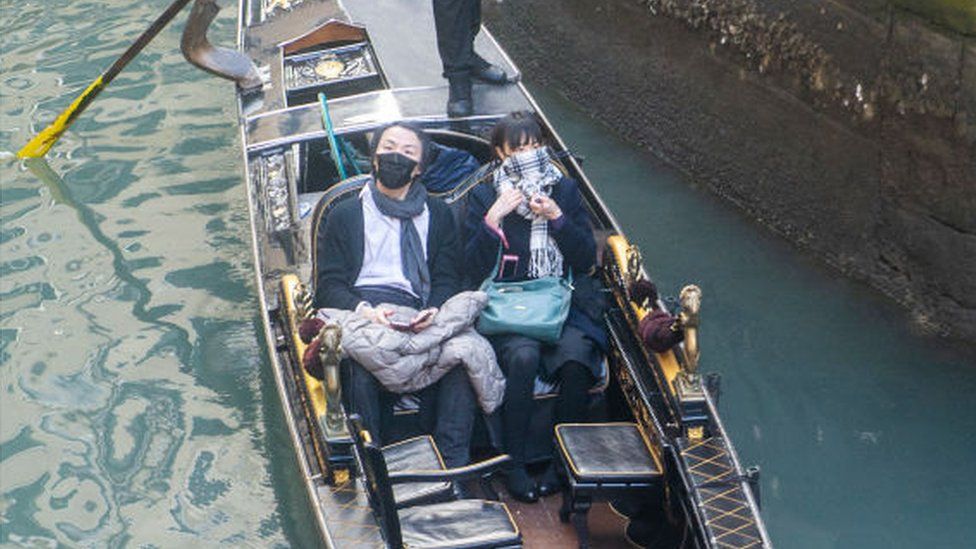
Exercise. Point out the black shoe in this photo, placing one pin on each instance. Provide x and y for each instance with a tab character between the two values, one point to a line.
459	108
549	482
521	486
493	74
459	97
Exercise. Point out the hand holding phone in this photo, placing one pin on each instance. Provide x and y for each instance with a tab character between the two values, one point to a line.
423	319
415	324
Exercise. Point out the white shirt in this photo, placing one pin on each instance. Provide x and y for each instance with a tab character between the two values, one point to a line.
382	265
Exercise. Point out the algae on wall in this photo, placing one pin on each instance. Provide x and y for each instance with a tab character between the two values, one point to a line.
958	15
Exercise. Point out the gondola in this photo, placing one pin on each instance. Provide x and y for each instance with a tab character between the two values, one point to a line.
314	78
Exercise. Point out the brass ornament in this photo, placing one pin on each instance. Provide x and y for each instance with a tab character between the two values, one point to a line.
689	382
330	68
330	353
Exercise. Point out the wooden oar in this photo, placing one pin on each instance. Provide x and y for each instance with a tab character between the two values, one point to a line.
43	141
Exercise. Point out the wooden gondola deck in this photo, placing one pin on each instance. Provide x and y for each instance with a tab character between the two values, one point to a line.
541	526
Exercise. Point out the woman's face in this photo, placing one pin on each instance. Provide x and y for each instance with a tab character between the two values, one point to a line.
522	146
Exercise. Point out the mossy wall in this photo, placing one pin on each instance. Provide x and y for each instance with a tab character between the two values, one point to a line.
847	126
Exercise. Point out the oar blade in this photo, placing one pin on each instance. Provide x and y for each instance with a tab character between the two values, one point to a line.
43	141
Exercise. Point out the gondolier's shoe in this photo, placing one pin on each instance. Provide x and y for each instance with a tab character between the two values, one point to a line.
490	73
459	97
493	74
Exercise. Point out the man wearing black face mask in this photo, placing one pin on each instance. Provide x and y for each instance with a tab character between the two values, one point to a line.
397	245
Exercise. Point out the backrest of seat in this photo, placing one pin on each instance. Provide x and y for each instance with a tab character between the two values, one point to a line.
338	193
376	479
457	197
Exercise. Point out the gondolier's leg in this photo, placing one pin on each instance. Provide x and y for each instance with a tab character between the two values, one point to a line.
449	407
457	22
454	21
367	397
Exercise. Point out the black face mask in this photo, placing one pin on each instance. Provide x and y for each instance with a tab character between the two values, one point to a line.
394	170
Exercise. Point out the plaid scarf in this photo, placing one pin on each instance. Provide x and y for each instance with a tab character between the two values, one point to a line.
532	173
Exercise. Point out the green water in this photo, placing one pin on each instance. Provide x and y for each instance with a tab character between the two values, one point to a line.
136	405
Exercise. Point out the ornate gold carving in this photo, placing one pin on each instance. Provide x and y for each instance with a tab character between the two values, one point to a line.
634	262
330	353
303	302
340	476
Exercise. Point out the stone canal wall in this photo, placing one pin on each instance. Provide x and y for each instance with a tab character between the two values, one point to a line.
848	126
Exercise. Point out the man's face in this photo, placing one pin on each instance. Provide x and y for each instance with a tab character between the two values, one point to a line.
403	141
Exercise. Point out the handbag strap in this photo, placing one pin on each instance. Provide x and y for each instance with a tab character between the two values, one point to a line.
495	271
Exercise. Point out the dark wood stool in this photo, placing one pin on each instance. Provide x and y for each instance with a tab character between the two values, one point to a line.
601	461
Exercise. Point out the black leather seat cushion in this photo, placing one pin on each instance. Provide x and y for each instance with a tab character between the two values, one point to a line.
459	524
416	454
606	452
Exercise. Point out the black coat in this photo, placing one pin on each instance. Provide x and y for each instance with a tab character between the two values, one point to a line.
340	245
573	234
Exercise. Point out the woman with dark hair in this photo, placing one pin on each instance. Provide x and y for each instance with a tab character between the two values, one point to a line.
536	216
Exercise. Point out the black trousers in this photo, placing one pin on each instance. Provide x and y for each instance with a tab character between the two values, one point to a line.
447	408
457	23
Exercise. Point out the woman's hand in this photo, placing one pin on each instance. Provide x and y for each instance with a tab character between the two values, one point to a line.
545	206
507	201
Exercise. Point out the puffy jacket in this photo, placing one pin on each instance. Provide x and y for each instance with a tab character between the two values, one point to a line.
405	362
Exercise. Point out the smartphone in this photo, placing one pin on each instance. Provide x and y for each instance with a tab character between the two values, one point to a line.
406	324
401	323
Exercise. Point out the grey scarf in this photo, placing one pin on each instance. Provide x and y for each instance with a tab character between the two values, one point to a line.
411	248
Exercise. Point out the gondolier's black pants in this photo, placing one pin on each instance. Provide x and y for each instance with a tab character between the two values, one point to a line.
447	408
457	23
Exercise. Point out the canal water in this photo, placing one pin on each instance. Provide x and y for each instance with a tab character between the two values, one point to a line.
136	405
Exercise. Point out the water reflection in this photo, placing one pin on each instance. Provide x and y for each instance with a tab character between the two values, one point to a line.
134	404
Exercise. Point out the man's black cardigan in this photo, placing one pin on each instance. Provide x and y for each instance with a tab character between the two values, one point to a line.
340	246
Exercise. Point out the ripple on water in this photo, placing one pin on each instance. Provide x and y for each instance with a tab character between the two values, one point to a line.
132	406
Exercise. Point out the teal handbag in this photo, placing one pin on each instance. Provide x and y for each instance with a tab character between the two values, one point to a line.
535	308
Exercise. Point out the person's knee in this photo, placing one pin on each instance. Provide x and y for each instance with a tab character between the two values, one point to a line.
522	360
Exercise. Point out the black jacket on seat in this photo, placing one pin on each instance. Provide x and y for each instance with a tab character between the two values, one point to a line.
340	247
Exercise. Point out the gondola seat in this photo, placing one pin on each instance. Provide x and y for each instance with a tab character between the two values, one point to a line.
462	523
321	204
602	461
466	523
417	453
